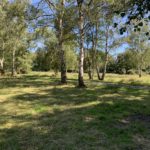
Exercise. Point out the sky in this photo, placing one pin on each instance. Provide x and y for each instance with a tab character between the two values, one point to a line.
34	1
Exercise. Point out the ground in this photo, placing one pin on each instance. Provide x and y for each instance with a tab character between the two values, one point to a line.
39	114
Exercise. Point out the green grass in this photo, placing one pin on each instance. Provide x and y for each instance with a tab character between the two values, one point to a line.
128	79
119	79
38	114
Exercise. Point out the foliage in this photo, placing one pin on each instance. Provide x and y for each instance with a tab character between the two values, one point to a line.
47	58
125	62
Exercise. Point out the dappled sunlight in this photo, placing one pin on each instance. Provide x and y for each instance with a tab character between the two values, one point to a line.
74	75
134	98
88	119
88	104
63	114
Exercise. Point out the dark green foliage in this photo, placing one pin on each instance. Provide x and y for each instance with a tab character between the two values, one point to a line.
128	22
123	14
125	62
135	10
115	25
122	30
139	29
25	62
140	24
147	33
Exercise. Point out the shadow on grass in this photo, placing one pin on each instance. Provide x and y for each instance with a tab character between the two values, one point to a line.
28	81
71	118
32	81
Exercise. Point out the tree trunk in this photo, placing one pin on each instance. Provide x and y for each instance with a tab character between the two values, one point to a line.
63	66
13	73
140	72
93	56
105	67
89	69
2	71
60	40
94	47
106	54
90	74
81	61
81	58
98	73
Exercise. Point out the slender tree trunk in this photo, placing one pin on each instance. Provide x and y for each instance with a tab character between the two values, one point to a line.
95	41
105	68
62	52
63	66
94	48
140	71
89	66
2	71
81	58
13	63
93	56
90	73
89	69
106	55
98	73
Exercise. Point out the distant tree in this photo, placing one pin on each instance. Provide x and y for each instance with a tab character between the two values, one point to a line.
24	63
125	62
140	48
13	31
3	35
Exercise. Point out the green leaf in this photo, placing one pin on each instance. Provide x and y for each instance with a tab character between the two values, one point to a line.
122	14
115	25
140	24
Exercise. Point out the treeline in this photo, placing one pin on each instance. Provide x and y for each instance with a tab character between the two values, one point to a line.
76	35
124	63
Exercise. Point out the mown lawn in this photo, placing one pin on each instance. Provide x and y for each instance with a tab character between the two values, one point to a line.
38	114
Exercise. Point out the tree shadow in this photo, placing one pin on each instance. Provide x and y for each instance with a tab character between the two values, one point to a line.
91	118
28	81
92	127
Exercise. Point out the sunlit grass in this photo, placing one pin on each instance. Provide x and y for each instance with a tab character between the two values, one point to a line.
128	79
38	113
116	78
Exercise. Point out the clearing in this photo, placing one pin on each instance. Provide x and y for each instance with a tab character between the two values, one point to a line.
38	114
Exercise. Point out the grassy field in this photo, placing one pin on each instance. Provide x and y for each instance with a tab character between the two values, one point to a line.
128	79
119	79
38	114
